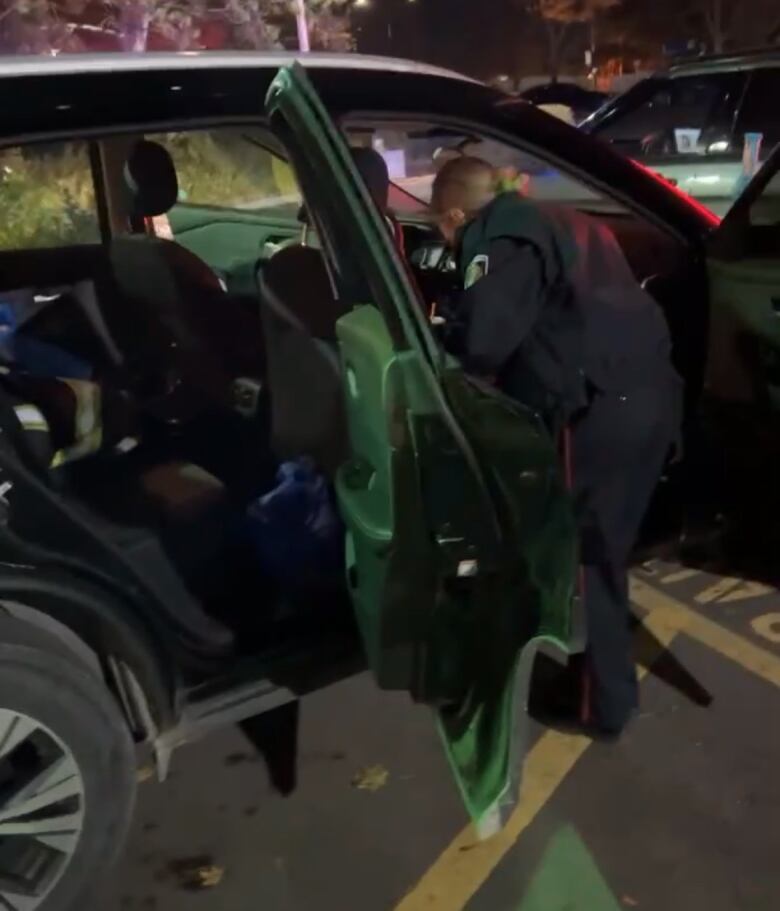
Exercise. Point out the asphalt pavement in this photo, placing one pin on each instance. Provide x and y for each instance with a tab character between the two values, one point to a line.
683	813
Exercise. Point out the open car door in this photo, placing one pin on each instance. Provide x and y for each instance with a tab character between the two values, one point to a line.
744	270
460	540
742	377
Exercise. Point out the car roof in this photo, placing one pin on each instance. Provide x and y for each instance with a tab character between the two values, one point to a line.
74	64
721	63
114	93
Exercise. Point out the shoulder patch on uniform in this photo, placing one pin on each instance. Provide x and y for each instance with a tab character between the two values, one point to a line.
476	269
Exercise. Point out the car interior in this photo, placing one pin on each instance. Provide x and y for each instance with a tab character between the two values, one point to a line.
139	389
154	396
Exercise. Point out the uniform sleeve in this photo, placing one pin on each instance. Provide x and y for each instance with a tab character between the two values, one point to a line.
500	309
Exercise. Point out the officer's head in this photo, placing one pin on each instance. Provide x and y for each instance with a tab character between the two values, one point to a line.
462	187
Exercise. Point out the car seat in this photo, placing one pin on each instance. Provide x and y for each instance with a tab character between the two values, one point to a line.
170	315
169	522
299	310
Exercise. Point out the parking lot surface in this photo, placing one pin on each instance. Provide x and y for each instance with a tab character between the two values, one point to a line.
681	814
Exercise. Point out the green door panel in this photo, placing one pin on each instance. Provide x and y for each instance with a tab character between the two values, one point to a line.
460	541
391	562
525	607
233	241
453	616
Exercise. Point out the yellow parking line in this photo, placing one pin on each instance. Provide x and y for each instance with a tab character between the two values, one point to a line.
720	588
748	591
680	576
465	864
736	648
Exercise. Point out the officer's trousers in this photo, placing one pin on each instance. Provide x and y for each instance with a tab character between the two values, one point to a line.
619	446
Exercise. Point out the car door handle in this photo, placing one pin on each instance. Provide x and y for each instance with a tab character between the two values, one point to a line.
358	474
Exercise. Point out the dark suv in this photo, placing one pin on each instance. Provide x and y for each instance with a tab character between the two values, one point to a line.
689	123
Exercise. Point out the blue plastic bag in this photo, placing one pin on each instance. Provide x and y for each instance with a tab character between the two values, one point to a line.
296	530
27	353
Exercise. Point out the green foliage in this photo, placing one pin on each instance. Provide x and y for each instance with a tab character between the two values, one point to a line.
221	168
46	197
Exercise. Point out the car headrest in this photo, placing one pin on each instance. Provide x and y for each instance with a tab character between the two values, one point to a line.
373	169
296	286
150	178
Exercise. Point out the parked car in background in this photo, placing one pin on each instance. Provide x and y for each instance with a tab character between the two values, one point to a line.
581	102
151	387
689	123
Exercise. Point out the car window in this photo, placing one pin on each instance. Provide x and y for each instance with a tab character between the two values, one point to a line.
415	153
235	169
230	168
760	112
47	196
666	118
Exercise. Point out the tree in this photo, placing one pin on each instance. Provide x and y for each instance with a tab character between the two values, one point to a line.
36	27
717	17
558	17
733	24
322	24
331	31
53	26
251	23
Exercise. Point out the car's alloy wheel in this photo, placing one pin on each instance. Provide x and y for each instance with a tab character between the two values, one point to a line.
42	800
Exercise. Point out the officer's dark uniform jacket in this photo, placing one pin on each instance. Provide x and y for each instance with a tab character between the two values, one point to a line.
552	310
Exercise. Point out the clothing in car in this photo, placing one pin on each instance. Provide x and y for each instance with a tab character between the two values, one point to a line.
552	311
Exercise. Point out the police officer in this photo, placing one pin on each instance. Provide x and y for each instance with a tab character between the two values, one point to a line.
553	314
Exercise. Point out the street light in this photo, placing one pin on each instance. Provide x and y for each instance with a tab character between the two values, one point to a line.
302	24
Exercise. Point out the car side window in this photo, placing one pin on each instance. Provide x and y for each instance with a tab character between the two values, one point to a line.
667	118
760	113
47	195
230	168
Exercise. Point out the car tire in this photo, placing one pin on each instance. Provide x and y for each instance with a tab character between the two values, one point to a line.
67	773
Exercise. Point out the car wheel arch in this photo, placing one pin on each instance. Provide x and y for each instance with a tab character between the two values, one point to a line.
104	643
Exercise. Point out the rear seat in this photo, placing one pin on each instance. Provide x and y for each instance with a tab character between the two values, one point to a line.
165	522
66	422
85	437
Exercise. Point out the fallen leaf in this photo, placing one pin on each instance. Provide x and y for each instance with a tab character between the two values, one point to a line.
210	876
629	901
196	872
372	778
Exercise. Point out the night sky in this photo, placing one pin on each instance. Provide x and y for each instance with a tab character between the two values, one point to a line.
481	37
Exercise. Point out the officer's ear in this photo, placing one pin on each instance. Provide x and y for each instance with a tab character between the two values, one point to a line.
450	222
457	217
